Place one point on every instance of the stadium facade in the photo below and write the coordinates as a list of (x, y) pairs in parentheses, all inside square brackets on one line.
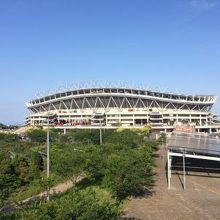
[(124, 107)]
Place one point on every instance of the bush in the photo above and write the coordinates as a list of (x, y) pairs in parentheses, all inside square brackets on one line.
[(83, 205), (128, 172), (126, 138), (9, 137), (37, 135), (8, 179)]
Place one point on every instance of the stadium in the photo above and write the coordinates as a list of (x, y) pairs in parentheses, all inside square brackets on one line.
[(113, 107)]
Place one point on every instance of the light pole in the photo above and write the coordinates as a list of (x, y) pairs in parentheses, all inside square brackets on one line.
[(100, 132), (48, 148), (48, 154)]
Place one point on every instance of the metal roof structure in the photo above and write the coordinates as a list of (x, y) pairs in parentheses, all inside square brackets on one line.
[(127, 92), (195, 146), (112, 84), (197, 143)]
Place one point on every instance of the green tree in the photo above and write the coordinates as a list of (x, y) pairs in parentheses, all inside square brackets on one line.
[(37, 135), (162, 138), (69, 162), (126, 138), (95, 162), (47, 184), (9, 182), (36, 165), (81, 205), (9, 137), (128, 172), (87, 136), (2, 126), (20, 166)]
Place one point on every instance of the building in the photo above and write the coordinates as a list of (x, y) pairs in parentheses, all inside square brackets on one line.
[(126, 107)]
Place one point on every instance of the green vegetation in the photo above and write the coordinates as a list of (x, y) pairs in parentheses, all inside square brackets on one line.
[(2, 126), (103, 176)]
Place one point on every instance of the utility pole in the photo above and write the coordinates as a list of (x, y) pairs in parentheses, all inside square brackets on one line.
[(48, 154), (48, 149), (100, 133)]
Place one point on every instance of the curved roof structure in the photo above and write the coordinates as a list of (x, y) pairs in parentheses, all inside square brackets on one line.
[(104, 97)]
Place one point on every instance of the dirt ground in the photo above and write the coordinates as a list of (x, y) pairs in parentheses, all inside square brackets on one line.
[(200, 200)]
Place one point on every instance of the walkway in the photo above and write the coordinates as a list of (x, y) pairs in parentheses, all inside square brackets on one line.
[(62, 187), (200, 200)]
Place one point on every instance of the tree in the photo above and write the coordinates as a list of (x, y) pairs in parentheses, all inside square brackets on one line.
[(162, 138), (46, 184), (9, 137), (37, 135), (127, 172), (87, 136), (69, 162), (2, 126), (95, 162), (76, 204), (20, 166), (125, 137), (8, 179), (35, 165), (8, 183)]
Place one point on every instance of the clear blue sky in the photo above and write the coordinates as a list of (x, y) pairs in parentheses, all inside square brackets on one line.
[(46, 44)]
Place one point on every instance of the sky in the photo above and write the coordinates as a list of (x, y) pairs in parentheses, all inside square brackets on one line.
[(47, 45)]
